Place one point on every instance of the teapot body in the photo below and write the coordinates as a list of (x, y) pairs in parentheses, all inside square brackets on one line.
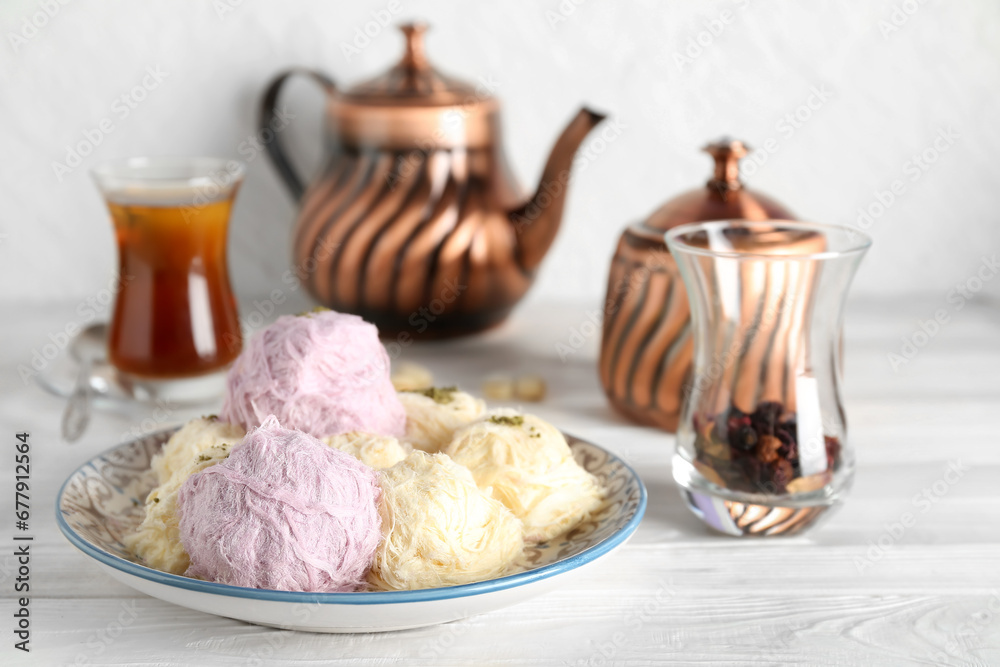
[(415, 221), (416, 241)]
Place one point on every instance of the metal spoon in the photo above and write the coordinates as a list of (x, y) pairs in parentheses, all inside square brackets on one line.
[(88, 348)]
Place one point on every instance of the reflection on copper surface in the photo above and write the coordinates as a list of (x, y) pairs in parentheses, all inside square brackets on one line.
[(646, 346), (416, 223)]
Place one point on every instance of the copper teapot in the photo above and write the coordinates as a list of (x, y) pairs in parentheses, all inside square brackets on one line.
[(646, 344), (415, 221)]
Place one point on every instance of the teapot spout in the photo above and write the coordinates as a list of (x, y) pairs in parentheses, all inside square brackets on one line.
[(537, 221)]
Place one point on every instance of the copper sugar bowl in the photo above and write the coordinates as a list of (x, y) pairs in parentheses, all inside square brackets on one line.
[(646, 343), (415, 221)]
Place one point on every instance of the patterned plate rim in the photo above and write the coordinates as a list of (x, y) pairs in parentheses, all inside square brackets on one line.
[(573, 562)]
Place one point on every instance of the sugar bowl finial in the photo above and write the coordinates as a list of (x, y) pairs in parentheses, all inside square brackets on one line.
[(414, 57), (727, 153)]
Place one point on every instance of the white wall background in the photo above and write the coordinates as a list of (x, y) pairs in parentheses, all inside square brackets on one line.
[(891, 93)]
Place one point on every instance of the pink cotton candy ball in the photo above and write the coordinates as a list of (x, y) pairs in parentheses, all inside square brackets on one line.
[(324, 373), (283, 512)]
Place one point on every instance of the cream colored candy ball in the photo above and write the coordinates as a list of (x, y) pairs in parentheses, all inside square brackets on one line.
[(375, 451), (526, 464), (408, 376), (439, 529), (433, 415), (195, 437), (157, 540)]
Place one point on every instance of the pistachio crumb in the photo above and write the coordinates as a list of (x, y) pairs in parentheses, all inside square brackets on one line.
[(440, 395), (504, 420)]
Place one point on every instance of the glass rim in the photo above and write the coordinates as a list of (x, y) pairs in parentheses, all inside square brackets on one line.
[(168, 172), (860, 241)]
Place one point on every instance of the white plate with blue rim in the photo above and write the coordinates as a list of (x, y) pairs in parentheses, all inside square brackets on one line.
[(102, 501)]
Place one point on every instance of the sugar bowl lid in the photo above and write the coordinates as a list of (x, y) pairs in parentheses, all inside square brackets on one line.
[(724, 196), (414, 103)]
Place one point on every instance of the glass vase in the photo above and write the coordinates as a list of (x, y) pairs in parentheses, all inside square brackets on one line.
[(762, 444)]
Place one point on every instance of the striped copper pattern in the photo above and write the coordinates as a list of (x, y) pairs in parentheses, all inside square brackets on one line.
[(646, 347), (764, 520), (758, 350), (426, 241), (394, 232)]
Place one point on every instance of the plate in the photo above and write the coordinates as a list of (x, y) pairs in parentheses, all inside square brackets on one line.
[(103, 500)]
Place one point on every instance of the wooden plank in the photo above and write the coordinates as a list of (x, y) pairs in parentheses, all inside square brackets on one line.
[(657, 624), (718, 563)]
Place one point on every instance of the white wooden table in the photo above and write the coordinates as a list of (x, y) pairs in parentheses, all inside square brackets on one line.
[(857, 592)]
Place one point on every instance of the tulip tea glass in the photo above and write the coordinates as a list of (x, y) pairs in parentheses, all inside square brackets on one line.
[(175, 315), (762, 444)]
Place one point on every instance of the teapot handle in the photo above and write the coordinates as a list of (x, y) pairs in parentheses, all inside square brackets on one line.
[(269, 117)]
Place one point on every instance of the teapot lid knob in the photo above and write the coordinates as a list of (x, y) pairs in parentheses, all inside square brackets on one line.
[(414, 104), (415, 57), (727, 153)]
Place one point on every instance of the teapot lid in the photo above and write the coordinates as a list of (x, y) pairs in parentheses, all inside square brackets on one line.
[(724, 196), (414, 105), (414, 81)]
